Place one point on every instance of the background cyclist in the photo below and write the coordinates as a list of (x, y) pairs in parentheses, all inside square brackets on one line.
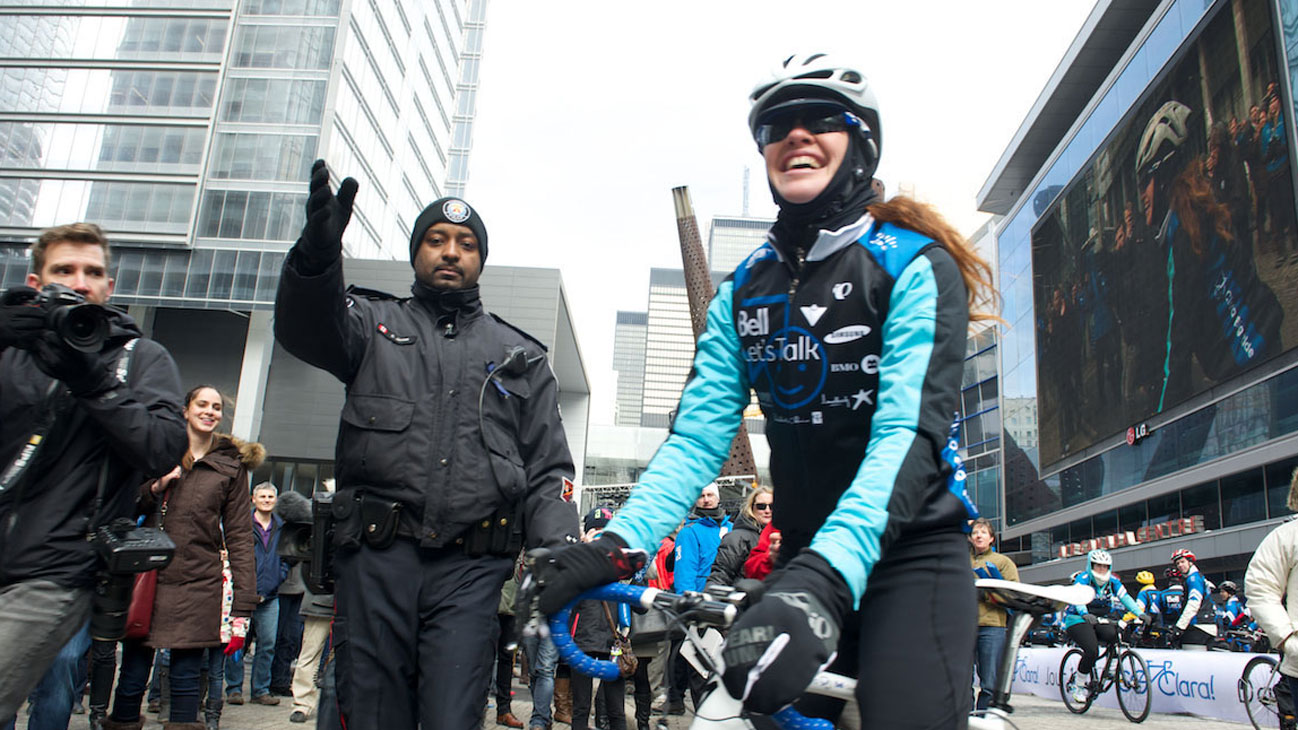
[(1195, 627), (873, 519), (1082, 622)]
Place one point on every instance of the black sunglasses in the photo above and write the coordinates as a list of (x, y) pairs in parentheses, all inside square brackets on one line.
[(762, 505), (817, 120)]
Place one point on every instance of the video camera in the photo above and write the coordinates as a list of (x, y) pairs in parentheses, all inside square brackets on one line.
[(308, 537), (81, 325), (125, 551)]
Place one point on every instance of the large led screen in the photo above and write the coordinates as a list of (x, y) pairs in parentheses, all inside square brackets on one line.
[(1169, 264)]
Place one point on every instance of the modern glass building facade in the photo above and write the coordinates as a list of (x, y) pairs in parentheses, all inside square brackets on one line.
[(629, 362), (732, 238), (1226, 453)]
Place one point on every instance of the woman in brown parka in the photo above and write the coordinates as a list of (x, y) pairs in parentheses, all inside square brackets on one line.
[(204, 498)]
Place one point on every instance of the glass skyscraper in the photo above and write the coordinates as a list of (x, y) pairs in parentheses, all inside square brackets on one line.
[(187, 128)]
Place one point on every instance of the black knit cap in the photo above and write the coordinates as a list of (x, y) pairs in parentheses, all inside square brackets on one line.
[(448, 210)]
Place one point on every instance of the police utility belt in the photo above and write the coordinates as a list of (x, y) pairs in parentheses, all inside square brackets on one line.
[(378, 522)]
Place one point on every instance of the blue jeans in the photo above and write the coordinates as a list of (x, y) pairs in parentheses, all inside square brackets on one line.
[(991, 641), (53, 698), (161, 661), (265, 624), (541, 660), (133, 681)]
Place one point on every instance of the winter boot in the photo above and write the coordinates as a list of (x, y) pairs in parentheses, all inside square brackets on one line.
[(183, 726), (562, 700), (212, 718)]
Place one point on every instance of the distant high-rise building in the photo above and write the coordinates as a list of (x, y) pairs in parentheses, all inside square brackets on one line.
[(629, 362), (732, 238), (187, 129)]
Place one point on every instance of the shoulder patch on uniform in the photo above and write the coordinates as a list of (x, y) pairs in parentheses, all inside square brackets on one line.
[(521, 332), (893, 247), (373, 294)]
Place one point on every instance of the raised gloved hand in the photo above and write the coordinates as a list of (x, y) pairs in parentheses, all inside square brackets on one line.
[(20, 323), (238, 633), (580, 567), (778, 646), (84, 373), (1090, 618), (327, 216)]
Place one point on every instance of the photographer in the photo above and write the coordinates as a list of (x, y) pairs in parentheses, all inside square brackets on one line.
[(99, 422), (450, 453)]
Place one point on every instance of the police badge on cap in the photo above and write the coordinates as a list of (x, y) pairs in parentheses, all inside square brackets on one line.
[(449, 210)]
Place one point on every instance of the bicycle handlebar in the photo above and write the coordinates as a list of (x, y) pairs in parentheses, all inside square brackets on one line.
[(702, 609)]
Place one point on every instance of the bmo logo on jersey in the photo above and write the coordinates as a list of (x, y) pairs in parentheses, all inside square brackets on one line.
[(758, 324), (868, 365)]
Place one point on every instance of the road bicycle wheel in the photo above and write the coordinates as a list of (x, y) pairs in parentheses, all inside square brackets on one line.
[(1132, 686), (1070, 678), (1255, 691)]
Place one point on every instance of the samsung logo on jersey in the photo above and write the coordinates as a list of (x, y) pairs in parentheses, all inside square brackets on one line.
[(781, 348), (847, 334)]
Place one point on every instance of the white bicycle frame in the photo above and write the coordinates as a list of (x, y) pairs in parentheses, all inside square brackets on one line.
[(720, 711)]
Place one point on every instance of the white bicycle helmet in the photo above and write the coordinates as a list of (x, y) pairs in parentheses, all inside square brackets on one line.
[(1099, 557), (1166, 131), (810, 77)]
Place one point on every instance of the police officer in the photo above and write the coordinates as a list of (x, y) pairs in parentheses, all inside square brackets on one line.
[(450, 452)]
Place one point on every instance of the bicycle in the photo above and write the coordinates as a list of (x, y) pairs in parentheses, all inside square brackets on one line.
[(719, 607), (1265, 694), (1124, 670)]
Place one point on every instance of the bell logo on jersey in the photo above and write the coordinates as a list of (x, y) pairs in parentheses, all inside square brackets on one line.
[(756, 325)]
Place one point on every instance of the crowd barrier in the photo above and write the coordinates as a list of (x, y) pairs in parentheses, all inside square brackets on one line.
[(1201, 683)]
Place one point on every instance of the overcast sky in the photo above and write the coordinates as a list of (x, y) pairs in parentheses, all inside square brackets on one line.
[(591, 111)]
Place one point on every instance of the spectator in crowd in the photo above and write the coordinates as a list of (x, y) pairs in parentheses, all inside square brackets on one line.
[(505, 634), (987, 563), (288, 634), (593, 627), (542, 659), (317, 617), (196, 503), (1272, 586), (737, 544), (762, 560), (661, 575), (271, 572), (698, 541), (119, 410)]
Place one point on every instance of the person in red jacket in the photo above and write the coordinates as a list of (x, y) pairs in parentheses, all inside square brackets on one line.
[(759, 562)]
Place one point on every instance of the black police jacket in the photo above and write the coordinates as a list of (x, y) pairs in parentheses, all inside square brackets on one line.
[(135, 426), (411, 430)]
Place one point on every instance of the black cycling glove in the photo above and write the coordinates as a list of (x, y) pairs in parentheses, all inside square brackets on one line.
[(778, 646), (20, 323), (1147, 618), (1090, 618), (578, 568), (84, 373), (327, 216)]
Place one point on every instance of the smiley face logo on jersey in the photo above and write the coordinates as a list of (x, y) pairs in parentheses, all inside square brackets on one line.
[(790, 364)]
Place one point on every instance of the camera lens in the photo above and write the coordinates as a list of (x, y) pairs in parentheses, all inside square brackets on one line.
[(110, 605), (82, 327)]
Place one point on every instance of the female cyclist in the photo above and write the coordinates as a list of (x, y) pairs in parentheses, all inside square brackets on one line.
[(850, 324), (1082, 622)]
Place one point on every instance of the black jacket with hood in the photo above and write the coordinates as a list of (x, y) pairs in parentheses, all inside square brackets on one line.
[(728, 566), (135, 426)]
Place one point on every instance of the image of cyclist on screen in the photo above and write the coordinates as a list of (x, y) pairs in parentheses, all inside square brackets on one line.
[(850, 324), (1083, 622)]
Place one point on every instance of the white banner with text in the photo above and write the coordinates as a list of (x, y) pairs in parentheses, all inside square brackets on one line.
[(1202, 683)]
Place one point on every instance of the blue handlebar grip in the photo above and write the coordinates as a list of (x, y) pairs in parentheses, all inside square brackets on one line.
[(791, 719), (602, 669)]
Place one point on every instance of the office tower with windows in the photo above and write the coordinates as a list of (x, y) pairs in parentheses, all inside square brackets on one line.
[(732, 238), (629, 362)]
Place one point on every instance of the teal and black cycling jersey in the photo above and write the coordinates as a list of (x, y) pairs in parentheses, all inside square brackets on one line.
[(1108, 596), (855, 349)]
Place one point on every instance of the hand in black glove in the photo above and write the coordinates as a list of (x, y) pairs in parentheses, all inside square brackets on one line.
[(577, 568), (1090, 618), (20, 323), (778, 646), (327, 216), (1174, 636), (83, 373), (1147, 618)]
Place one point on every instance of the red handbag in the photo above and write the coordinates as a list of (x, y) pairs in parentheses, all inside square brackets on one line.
[(139, 617)]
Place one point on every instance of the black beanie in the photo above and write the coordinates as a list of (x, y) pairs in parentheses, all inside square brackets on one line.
[(448, 210)]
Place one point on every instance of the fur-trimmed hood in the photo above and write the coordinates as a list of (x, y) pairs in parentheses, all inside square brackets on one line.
[(251, 453), (230, 452)]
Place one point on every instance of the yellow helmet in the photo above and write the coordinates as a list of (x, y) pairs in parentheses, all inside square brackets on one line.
[(1145, 577)]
